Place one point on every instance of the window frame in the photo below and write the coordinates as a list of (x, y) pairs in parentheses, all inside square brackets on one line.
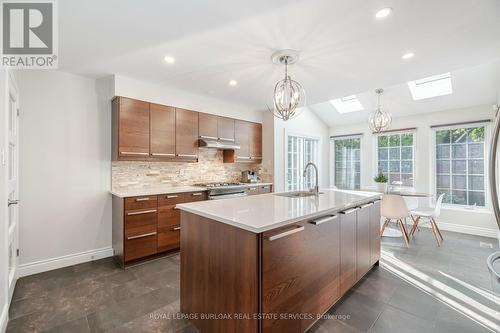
[(333, 160), (433, 173), (415, 147), (287, 134)]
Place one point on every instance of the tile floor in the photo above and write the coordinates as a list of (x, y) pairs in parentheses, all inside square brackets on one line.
[(421, 289)]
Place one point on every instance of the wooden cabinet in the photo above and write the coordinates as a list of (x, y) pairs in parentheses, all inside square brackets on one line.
[(225, 129), (252, 190), (363, 240), (290, 282), (265, 189), (130, 129), (208, 127), (149, 225), (347, 249), (186, 134), (248, 136), (375, 233), (293, 274), (143, 131), (255, 142), (162, 131)]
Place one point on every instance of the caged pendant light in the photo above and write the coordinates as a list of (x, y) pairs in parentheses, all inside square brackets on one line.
[(379, 120), (288, 95)]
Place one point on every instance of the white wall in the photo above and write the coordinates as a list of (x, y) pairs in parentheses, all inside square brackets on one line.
[(306, 124), (154, 93), (478, 222), (65, 153), (3, 207)]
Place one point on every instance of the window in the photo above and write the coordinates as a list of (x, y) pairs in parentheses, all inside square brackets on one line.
[(395, 157), (347, 163), (300, 151), (460, 170)]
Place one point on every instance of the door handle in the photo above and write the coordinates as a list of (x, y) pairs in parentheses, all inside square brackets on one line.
[(142, 212), (324, 219), (286, 233), (187, 155), (12, 202)]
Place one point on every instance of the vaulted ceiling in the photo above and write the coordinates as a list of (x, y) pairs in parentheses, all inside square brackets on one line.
[(344, 49)]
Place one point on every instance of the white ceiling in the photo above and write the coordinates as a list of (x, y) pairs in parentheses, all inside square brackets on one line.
[(344, 49)]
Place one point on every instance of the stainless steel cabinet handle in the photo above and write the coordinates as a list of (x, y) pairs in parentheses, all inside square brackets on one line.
[(187, 155), (12, 202), (286, 233), (172, 196), (226, 139), (176, 228), (132, 153), (366, 205), (256, 157), (349, 211), (142, 212), (196, 194), (141, 236), (323, 219), (142, 199), (208, 137), (253, 188), (243, 157), (161, 154)]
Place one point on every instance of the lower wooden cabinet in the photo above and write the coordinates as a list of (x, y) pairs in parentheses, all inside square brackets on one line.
[(148, 225), (290, 275)]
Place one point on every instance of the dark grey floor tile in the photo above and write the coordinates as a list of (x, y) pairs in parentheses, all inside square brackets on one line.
[(332, 326), (79, 325), (362, 311), (451, 321), (412, 300), (378, 288), (393, 320)]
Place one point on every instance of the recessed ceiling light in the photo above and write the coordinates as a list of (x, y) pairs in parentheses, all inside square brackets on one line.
[(233, 82), (432, 86), (408, 55), (384, 12), (347, 104), (169, 59)]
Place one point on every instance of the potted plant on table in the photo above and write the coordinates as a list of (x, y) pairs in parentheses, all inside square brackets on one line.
[(381, 181)]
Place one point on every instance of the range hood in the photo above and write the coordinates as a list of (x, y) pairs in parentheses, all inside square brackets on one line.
[(216, 144)]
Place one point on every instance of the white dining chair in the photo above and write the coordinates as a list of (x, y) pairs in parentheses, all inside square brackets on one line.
[(393, 208), (431, 215)]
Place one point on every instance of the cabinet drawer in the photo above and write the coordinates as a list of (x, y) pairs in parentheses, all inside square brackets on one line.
[(140, 222), (141, 202), (169, 238), (265, 189), (195, 196), (170, 199), (252, 190), (141, 246), (168, 216)]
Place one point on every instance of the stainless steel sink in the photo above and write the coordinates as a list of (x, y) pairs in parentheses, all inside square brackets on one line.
[(299, 194)]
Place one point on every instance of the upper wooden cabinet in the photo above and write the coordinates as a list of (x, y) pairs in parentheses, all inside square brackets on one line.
[(162, 131), (248, 136), (208, 126), (186, 134), (225, 129), (130, 129), (216, 128), (145, 131)]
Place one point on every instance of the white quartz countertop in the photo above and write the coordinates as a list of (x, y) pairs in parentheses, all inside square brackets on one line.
[(259, 213), (156, 190)]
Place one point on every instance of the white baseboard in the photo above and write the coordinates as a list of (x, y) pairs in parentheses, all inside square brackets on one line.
[(63, 261), (4, 318), (466, 229)]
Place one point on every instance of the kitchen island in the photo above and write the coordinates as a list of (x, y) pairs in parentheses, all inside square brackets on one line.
[(274, 263)]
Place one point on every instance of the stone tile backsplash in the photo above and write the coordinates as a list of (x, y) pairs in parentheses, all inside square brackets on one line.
[(210, 168)]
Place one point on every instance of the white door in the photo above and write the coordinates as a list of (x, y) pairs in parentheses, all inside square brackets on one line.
[(13, 181)]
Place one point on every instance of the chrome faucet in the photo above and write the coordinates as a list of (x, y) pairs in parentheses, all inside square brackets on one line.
[(316, 188)]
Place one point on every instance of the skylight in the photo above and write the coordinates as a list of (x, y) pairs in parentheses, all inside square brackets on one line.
[(347, 104), (432, 86)]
